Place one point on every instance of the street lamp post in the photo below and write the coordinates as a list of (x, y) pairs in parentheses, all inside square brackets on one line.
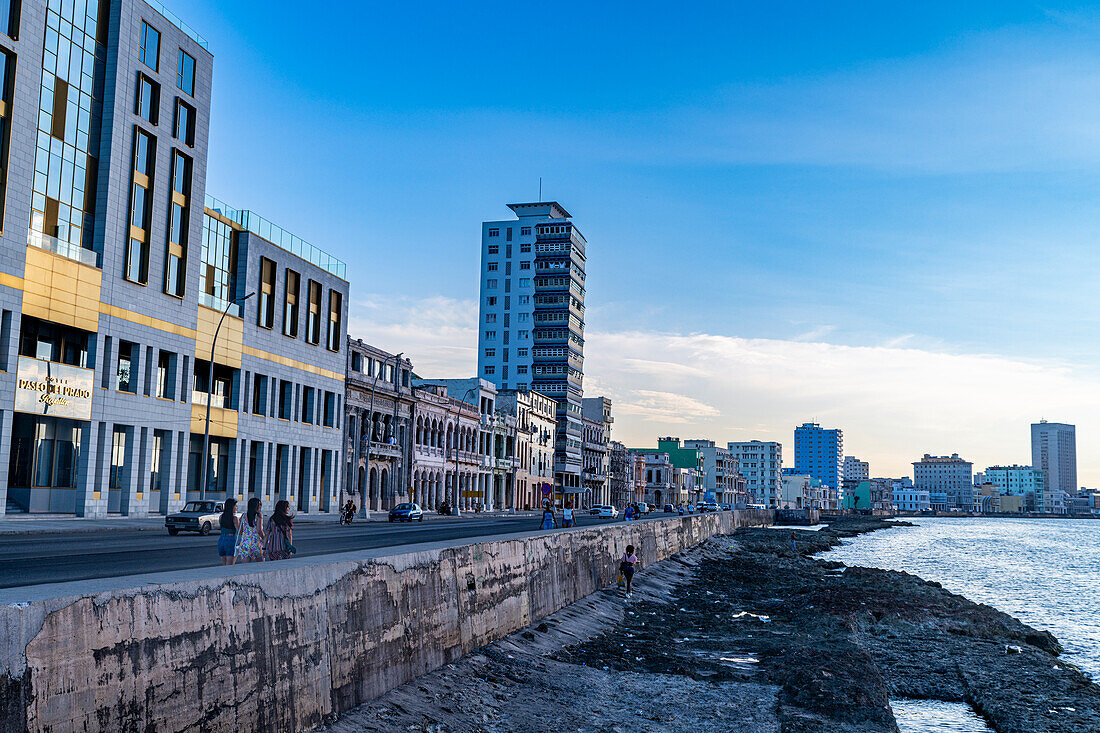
[(363, 511), (209, 388), (458, 498)]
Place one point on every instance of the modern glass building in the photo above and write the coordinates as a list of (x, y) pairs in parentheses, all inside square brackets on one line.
[(114, 278), (531, 319)]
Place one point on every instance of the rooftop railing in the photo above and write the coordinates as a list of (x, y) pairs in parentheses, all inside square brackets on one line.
[(219, 304), (174, 20), (278, 236)]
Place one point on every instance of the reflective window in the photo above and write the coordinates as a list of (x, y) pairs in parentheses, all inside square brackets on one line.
[(63, 195), (266, 315), (148, 100), (149, 47), (184, 128), (335, 308), (179, 209), (218, 276), (185, 73), (292, 285), (313, 317)]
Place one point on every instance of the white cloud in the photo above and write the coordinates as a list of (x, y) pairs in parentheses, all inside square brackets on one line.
[(894, 403)]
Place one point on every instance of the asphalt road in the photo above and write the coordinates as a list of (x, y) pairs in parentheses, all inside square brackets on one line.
[(30, 559)]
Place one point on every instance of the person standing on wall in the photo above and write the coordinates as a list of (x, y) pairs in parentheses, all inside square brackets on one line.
[(279, 533), (229, 524), (250, 535)]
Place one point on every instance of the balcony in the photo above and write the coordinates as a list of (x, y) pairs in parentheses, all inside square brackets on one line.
[(384, 450), (66, 249)]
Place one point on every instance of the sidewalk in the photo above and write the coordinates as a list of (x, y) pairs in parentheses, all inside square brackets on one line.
[(12, 524)]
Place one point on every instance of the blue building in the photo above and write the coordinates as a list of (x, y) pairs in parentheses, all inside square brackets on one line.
[(819, 452)]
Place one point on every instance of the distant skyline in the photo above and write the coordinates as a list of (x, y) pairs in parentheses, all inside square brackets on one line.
[(881, 218)]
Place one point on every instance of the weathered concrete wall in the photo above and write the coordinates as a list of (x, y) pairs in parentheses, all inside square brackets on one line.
[(285, 646)]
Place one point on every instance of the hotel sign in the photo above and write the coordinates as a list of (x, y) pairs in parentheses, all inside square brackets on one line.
[(49, 388)]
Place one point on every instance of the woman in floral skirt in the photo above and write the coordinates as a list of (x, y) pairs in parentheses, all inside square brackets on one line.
[(250, 536)]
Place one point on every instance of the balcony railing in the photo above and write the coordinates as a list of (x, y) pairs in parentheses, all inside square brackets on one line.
[(156, 5), (219, 304), (60, 247), (389, 450), (216, 400)]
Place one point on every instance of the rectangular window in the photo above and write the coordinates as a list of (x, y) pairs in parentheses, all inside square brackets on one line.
[(329, 419), (265, 317), (492, 267), (166, 378), (7, 77), (524, 282), (286, 399), (313, 317), (185, 73), (491, 300), (525, 265), (184, 127), (149, 46), (307, 405), (508, 238), (126, 367), (491, 284), (525, 232), (490, 370), (137, 251), (490, 335), (494, 232), (179, 218), (259, 395), (148, 99), (292, 284), (490, 317), (335, 313), (490, 352), (521, 369), (494, 249)]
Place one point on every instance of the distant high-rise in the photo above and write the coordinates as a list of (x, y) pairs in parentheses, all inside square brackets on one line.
[(531, 318), (1054, 450), (948, 475), (819, 452)]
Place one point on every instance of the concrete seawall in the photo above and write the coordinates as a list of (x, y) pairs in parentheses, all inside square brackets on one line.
[(283, 647)]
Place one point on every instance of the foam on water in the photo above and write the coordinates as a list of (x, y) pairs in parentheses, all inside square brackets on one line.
[(933, 716), (1045, 572)]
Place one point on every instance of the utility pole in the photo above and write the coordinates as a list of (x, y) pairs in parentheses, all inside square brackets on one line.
[(209, 388)]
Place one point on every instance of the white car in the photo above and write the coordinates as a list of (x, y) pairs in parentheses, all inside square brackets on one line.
[(604, 510), (197, 516), (706, 506)]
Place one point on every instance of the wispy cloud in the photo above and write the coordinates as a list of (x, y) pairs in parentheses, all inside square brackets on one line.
[(894, 403)]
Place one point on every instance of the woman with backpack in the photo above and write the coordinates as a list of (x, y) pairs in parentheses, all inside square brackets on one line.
[(280, 532), (250, 534)]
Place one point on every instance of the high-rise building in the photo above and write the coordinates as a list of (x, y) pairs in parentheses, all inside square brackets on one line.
[(819, 452), (856, 470), (531, 319), (948, 475), (1054, 452), (117, 270), (761, 463)]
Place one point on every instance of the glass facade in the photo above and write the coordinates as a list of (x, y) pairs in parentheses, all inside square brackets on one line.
[(218, 276), (179, 219), (73, 62), (45, 454)]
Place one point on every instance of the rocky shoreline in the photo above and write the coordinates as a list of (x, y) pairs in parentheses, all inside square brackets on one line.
[(742, 633)]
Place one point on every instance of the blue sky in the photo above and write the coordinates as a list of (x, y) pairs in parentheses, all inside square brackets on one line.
[(903, 192)]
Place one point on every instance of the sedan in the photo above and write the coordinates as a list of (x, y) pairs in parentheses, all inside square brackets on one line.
[(197, 516), (605, 510), (706, 506), (406, 513)]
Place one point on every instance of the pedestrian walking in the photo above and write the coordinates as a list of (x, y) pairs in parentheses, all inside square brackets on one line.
[(230, 525), (626, 567), (279, 534), (567, 516), (793, 548), (250, 534), (547, 518), (628, 514)]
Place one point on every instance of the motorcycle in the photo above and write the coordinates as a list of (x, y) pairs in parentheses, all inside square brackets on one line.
[(346, 516)]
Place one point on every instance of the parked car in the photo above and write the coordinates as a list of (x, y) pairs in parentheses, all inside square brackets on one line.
[(406, 512), (196, 516), (604, 510), (706, 506), (669, 509)]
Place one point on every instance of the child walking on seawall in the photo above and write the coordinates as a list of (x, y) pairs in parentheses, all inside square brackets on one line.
[(626, 567)]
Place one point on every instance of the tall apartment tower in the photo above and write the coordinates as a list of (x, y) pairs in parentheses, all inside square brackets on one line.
[(819, 453), (531, 319), (1054, 450)]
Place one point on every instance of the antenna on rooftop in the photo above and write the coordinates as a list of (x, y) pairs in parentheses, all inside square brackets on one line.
[(540, 189)]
